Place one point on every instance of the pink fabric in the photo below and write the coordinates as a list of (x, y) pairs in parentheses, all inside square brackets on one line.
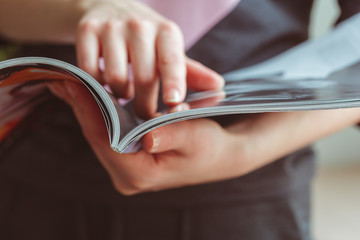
[(194, 17)]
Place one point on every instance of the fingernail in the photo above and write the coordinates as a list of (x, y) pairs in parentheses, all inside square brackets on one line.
[(178, 108), (155, 141), (173, 96), (222, 82)]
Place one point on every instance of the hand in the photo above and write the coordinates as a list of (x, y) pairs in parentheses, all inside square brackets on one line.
[(200, 151), (169, 158), (119, 32), (127, 31)]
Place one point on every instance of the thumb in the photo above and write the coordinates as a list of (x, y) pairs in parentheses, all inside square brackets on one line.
[(173, 137)]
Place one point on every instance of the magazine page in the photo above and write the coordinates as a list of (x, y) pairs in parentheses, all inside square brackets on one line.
[(318, 74), (316, 58), (22, 82), (339, 90), (21, 87)]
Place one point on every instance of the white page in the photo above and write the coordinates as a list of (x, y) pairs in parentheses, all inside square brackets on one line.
[(316, 58)]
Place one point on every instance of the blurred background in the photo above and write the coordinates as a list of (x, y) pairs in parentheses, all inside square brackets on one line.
[(336, 190)]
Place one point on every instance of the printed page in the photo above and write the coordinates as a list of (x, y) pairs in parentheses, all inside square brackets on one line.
[(317, 58), (21, 87)]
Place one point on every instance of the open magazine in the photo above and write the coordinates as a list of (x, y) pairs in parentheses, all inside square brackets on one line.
[(319, 74)]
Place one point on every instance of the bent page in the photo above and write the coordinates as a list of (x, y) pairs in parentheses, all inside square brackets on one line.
[(22, 86), (316, 58)]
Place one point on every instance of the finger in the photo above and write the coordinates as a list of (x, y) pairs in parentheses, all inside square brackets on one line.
[(202, 78), (179, 108), (141, 43), (173, 137), (171, 63), (87, 49), (116, 59)]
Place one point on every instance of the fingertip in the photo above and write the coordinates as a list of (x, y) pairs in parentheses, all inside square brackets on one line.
[(173, 97), (150, 142), (157, 114), (179, 107), (220, 80)]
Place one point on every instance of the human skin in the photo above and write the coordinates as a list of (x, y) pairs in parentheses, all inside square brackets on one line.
[(120, 32), (168, 158), (200, 151)]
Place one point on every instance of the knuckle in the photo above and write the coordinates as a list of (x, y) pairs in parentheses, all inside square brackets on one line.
[(139, 185), (137, 25), (134, 187), (170, 58), (131, 185), (88, 25), (113, 24), (169, 26), (127, 191), (145, 79)]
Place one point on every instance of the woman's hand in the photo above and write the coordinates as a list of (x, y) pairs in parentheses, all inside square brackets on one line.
[(180, 154), (119, 32), (126, 31), (200, 151)]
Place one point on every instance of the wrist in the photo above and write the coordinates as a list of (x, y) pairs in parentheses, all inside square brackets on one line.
[(249, 149), (240, 152)]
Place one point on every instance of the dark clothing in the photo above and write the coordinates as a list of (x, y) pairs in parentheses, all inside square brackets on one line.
[(28, 213), (58, 190)]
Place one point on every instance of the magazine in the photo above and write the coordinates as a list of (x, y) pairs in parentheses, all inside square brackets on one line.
[(323, 73)]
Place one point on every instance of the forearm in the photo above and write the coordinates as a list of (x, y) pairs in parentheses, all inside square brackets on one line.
[(40, 20), (267, 137)]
